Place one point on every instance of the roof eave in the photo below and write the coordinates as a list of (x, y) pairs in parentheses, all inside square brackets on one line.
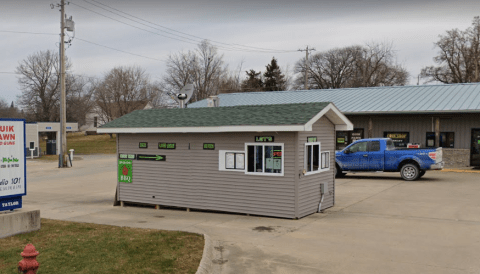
[(219, 129), (411, 112)]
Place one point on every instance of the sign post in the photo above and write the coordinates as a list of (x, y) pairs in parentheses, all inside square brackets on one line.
[(12, 163)]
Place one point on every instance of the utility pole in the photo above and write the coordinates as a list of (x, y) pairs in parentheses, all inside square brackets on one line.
[(306, 65), (69, 25), (63, 101)]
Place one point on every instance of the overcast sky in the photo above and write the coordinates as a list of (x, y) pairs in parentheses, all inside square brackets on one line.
[(411, 26)]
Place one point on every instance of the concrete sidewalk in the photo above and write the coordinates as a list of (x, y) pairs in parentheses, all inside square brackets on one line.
[(380, 223)]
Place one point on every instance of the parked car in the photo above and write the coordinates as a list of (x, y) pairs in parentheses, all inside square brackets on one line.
[(380, 154)]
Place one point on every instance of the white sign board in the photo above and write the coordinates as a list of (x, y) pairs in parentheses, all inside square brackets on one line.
[(12, 158)]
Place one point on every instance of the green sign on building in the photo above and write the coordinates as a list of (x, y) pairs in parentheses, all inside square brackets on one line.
[(125, 171)]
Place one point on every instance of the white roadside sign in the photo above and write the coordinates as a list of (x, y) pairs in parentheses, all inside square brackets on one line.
[(12, 158)]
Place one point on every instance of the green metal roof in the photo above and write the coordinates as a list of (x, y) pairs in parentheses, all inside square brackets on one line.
[(258, 115)]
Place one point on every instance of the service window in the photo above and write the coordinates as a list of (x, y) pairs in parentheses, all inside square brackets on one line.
[(315, 160), (265, 159), (231, 160)]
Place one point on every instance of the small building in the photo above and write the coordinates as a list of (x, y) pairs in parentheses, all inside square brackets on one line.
[(407, 114), (52, 133), (98, 116), (271, 160)]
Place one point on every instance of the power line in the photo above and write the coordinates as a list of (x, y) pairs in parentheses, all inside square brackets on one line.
[(182, 39), (251, 47), (27, 32), (119, 50)]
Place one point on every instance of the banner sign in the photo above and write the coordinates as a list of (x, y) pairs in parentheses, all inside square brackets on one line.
[(125, 171), (12, 162)]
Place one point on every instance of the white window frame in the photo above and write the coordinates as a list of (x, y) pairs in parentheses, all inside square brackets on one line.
[(320, 163), (263, 164), (221, 160)]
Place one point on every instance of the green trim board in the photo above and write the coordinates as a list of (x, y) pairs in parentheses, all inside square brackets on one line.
[(149, 157), (167, 145), (208, 146)]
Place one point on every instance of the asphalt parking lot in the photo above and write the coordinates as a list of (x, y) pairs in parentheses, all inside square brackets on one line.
[(380, 223)]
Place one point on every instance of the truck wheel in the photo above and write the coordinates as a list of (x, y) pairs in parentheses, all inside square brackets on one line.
[(410, 172), (422, 172), (338, 172)]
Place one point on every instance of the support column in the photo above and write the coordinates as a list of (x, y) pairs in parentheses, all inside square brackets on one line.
[(370, 127), (437, 132)]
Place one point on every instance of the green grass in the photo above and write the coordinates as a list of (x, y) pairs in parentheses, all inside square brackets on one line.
[(68, 247), (88, 144)]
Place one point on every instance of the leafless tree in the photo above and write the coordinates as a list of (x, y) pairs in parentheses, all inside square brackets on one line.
[(123, 90), (458, 58), (40, 85), (203, 67), (9, 111), (354, 66)]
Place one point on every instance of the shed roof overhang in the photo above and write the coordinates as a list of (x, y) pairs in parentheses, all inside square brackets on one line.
[(331, 112)]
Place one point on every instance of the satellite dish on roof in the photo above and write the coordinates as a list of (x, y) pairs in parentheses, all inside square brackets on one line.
[(185, 94)]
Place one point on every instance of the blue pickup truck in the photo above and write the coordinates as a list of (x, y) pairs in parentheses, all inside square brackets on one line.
[(380, 154)]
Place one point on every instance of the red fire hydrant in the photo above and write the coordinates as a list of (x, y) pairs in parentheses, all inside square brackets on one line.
[(29, 264)]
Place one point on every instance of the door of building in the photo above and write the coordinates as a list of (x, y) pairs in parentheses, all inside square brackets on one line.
[(475, 151)]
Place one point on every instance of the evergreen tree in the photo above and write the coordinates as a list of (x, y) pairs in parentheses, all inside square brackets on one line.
[(274, 79), (253, 82)]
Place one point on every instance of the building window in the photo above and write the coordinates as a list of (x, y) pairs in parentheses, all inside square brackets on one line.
[(400, 139), (316, 160), (265, 159), (231, 160), (447, 139), (95, 121)]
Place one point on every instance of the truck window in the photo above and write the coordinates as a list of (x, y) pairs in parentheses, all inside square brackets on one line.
[(374, 146), (362, 146), (390, 145)]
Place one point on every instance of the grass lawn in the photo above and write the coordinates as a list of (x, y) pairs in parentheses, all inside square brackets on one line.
[(68, 247), (88, 144)]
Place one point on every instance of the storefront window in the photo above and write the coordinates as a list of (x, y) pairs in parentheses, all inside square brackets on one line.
[(400, 139), (265, 159), (447, 139), (344, 138)]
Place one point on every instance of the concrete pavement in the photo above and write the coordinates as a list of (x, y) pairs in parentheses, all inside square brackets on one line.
[(380, 223)]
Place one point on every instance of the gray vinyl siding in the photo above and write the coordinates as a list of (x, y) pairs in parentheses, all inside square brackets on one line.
[(191, 177), (419, 125), (309, 185)]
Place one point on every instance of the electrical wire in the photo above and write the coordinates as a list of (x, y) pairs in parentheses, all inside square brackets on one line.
[(181, 39), (119, 50), (251, 47), (27, 32)]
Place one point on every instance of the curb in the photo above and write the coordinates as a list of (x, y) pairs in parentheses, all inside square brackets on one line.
[(460, 170), (206, 266)]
